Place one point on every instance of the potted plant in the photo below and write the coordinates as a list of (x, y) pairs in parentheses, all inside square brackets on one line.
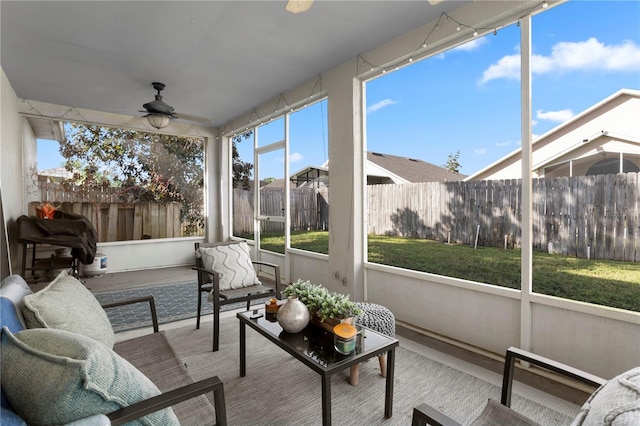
[(323, 305)]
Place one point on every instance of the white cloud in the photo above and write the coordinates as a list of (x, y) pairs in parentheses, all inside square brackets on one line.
[(296, 156), (507, 67), (480, 151), (377, 106), (507, 143), (557, 116), (471, 45), (592, 54), (589, 55)]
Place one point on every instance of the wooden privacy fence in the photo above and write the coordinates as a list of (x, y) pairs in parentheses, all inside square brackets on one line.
[(309, 209), (77, 194), (127, 221), (585, 216)]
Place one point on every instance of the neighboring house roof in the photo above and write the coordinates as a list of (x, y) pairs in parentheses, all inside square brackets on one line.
[(595, 140), (614, 120), (278, 183), (263, 183), (411, 169), (381, 168), (55, 174)]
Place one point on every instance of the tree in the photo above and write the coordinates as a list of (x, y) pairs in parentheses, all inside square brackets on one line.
[(453, 163), (148, 167), (241, 170)]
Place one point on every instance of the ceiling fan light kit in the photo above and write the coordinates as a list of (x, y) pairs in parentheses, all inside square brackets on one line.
[(159, 113), (297, 6), (158, 120)]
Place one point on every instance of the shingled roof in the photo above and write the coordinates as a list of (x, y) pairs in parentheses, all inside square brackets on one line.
[(413, 170)]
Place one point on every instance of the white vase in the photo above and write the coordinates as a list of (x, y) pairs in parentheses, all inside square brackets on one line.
[(293, 316)]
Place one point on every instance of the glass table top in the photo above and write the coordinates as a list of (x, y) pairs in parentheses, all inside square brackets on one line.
[(314, 344)]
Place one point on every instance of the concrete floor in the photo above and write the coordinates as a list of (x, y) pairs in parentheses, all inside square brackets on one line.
[(132, 279)]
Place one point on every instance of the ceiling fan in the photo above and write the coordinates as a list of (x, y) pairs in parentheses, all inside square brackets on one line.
[(159, 113)]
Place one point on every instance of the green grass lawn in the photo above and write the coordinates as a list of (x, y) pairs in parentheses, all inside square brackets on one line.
[(609, 283)]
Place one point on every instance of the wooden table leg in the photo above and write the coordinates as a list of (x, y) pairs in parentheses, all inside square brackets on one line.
[(382, 359), (354, 375)]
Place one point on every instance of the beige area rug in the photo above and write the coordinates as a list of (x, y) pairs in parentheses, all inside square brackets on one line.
[(279, 390)]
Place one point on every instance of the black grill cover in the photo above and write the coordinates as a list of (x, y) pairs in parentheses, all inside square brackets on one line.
[(65, 229)]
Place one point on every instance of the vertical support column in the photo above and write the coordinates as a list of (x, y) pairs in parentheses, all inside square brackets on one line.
[(256, 196), (287, 201), (217, 175), (346, 165), (526, 278)]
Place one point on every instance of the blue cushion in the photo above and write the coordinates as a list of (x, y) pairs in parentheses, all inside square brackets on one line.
[(9, 418), (9, 318), (14, 289)]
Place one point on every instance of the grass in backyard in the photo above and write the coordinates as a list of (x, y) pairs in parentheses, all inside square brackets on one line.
[(609, 283)]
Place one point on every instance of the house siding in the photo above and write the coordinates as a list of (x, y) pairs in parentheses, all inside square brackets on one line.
[(616, 115)]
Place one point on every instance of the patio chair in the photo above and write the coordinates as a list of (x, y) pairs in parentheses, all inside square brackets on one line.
[(227, 273), (616, 400)]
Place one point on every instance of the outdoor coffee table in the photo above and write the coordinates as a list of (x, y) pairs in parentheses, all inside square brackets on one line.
[(313, 346)]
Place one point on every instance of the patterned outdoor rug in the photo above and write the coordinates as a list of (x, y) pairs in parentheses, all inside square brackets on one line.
[(174, 302)]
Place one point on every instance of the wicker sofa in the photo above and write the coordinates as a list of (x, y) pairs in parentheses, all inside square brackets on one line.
[(65, 371)]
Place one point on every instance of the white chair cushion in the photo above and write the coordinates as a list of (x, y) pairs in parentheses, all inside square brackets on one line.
[(232, 262)]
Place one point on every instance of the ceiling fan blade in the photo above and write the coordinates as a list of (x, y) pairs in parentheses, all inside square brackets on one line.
[(194, 119), (297, 6)]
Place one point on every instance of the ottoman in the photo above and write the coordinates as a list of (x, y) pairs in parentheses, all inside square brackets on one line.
[(380, 319)]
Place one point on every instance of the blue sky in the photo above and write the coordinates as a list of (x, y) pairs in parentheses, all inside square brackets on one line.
[(468, 99)]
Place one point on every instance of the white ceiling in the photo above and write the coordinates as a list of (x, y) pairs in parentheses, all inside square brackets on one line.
[(218, 58)]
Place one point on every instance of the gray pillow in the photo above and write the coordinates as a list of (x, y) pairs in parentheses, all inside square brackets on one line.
[(66, 304), (56, 377), (617, 402), (232, 262)]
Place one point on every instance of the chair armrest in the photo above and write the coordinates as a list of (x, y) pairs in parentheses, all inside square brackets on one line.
[(167, 399), (152, 307), (276, 273), (202, 281), (540, 361), (424, 414)]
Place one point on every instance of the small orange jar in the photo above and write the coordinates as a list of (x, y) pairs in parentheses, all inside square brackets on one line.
[(344, 340)]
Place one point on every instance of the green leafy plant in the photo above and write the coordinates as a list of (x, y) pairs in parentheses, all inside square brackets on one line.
[(321, 302)]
